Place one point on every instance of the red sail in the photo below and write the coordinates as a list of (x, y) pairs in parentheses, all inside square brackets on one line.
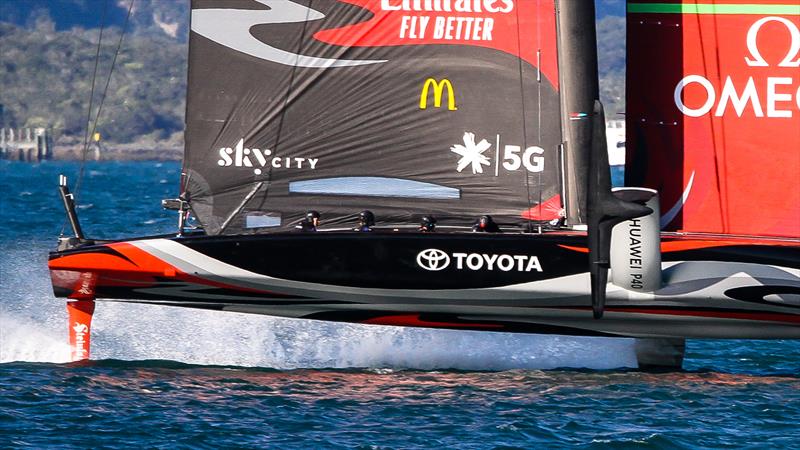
[(713, 113)]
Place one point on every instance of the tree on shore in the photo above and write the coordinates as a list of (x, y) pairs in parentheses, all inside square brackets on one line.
[(46, 74)]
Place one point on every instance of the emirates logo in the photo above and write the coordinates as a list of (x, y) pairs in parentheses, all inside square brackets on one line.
[(433, 259)]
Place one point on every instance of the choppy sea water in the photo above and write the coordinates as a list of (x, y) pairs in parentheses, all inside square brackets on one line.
[(165, 377)]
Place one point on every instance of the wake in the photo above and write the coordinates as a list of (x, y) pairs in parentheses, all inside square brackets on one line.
[(33, 328), (143, 332)]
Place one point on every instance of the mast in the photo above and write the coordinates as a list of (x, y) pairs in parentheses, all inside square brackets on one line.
[(577, 57), (588, 185)]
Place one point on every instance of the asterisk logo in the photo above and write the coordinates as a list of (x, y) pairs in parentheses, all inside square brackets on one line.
[(471, 153)]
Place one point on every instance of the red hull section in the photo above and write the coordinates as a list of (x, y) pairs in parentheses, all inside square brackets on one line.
[(713, 111)]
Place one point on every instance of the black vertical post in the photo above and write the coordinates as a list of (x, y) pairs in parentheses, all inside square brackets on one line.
[(577, 61), (69, 206)]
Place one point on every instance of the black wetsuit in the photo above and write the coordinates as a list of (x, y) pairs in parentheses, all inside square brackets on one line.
[(490, 227), (306, 225)]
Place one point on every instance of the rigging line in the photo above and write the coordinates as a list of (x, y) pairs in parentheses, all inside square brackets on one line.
[(286, 100), (186, 172), (91, 100), (103, 96), (94, 78), (539, 94), (722, 194), (524, 116), (723, 197)]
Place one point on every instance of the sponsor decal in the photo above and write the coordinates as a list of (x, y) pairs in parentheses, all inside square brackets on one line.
[(635, 254), (79, 351), (261, 159), (438, 20), (459, 6), (472, 153), (514, 157), (86, 285), (770, 96), (458, 23), (438, 92), (84, 288), (433, 259), (792, 58), (501, 25)]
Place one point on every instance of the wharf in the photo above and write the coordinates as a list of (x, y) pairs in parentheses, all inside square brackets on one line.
[(26, 144)]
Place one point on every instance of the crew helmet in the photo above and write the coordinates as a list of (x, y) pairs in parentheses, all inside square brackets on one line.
[(428, 222), (366, 218)]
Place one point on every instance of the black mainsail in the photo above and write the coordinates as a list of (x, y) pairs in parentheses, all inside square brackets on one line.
[(405, 108)]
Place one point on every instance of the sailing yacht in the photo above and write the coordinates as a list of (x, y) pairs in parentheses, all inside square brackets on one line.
[(459, 109)]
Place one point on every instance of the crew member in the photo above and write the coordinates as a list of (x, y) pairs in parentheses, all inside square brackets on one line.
[(485, 225), (427, 224), (366, 220), (310, 223)]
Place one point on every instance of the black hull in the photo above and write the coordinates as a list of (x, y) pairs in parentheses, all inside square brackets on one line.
[(715, 287)]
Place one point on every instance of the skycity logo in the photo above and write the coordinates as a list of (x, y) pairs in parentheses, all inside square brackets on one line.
[(435, 260), (779, 89), (240, 156), (438, 92)]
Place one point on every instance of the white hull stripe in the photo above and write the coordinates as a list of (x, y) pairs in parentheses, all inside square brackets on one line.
[(695, 283)]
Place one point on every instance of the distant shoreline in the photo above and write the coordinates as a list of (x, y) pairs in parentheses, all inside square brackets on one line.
[(122, 152)]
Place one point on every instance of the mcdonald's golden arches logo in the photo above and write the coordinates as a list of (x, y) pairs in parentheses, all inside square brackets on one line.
[(438, 91)]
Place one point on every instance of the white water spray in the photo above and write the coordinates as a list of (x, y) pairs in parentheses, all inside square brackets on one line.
[(33, 328), (25, 340)]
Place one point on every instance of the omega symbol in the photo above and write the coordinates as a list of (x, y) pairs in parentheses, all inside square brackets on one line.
[(756, 60)]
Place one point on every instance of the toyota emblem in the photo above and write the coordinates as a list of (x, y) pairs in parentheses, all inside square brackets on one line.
[(433, 259)]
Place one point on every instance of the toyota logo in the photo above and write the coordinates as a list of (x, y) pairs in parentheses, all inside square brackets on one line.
[(433, 259)]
